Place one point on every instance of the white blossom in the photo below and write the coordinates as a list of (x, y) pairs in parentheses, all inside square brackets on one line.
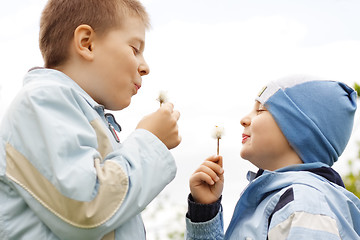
[(218, 132), (163, 97)]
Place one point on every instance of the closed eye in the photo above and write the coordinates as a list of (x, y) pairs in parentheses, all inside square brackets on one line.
[(259, 111), (135, 50)]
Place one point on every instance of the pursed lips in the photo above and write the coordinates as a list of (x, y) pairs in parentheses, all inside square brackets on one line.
[(245, 137), (137, 86)]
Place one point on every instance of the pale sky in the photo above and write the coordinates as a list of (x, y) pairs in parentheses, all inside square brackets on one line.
[(212, 57)]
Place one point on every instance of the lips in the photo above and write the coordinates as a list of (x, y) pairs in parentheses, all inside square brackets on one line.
[(137, 87), (245, 138)]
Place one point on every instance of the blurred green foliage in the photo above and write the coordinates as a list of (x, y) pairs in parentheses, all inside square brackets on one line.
[(352, 179), (357, 89)]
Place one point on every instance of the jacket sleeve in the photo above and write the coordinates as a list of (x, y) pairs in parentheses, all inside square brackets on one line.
[(53, 161), (204, 221)]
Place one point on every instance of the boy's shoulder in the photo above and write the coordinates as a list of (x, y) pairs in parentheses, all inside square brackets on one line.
[(51, 86), (316, 194), (39, 77), (311, 190), (50, 95)]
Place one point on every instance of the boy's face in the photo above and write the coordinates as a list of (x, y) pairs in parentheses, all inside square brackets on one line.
[(264, 144), (119, 64)]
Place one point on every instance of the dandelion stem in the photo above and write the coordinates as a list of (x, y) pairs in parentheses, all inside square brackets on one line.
[(217, 134)]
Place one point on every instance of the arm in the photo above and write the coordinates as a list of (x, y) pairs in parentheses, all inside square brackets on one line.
[(204, 217), (303, 225), (59, 172), (296, 216)]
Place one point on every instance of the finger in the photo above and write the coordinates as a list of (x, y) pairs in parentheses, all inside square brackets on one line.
[(176, 114), (209, 171), (220, 162), (216, 159), (214, 167), (201, 177), (168, 106), (179, 139)]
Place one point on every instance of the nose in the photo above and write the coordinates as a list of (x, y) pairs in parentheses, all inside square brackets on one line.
[(143, 68), (245, 121)]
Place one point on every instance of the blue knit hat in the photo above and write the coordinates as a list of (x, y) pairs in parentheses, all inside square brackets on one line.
[(316, 116)]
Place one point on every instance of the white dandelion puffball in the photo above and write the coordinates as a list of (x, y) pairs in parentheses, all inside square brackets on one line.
[(163, 97), (218, 132)]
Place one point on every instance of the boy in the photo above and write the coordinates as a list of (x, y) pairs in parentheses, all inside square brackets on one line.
[(296, 131), (63, 172)]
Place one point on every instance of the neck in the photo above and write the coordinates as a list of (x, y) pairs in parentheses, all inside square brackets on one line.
[(76, 71), (291, 158)]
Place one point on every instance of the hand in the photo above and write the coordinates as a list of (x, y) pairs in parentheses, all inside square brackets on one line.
[(207, 182), (163, 124)]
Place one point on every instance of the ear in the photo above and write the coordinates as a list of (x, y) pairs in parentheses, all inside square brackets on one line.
[(83, 41)]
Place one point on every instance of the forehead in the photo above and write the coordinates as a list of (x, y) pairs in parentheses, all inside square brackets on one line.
[(131, 29), (134, 27)]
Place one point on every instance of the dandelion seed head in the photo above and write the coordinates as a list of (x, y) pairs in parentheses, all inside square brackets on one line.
[(217, 132), (163, 97)]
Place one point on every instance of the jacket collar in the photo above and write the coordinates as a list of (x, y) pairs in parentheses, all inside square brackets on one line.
[(40, 74), (319, 169), (46, 74)]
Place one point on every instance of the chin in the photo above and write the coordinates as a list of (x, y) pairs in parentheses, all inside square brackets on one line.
[(243, 154), (117, 107)]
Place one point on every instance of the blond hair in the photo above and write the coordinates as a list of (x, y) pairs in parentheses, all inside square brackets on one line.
[(60, 18)]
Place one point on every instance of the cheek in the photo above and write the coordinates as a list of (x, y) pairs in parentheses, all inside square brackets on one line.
[(119, 60), (261, 132), (133, 65), (127, 59)]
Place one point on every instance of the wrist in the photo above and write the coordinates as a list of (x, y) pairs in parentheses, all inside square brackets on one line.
[(198, 212)]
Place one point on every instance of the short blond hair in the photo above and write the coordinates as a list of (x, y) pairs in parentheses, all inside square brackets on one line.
[(60, 18)]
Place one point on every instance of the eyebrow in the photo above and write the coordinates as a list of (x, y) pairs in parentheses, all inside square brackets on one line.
[(261, 106)]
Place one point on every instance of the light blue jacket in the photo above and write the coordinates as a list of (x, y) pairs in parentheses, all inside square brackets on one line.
[(290, 203), (64, 175)]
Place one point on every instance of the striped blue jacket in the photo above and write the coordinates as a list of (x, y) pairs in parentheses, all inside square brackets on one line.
[(303, 201)]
